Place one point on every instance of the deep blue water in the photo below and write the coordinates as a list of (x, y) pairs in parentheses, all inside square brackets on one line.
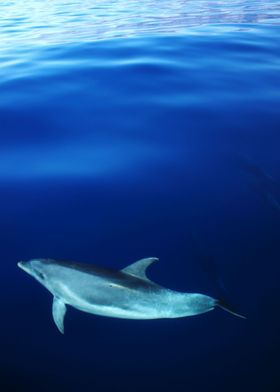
[(131, 130)]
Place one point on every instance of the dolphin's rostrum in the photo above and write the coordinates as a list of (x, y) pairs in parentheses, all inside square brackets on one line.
[(127, 293)]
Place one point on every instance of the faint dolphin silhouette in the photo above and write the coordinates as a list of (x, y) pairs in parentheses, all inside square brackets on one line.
[(210, 267), (264, 184)]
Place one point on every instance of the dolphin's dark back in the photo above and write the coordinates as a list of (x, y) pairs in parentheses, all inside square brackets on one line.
[(115, 276)]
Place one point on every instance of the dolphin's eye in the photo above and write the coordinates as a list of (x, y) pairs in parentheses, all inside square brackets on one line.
[(41, 276)]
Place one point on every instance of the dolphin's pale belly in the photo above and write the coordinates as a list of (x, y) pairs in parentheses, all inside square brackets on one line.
[(115, 298)]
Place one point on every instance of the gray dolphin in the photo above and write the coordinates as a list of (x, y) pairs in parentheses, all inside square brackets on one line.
[(127, 293)]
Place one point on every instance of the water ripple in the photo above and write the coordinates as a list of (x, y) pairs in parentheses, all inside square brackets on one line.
[(111, 107)]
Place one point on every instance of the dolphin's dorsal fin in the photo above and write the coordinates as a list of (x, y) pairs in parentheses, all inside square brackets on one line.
[(58, 311), (138, 268)]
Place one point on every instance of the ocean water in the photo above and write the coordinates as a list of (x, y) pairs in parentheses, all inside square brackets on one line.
[(136, 129)]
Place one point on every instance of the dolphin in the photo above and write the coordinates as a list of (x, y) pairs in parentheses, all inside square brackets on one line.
[(126, 293)]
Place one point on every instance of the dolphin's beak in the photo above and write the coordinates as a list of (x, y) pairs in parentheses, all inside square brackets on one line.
[(23, 265)]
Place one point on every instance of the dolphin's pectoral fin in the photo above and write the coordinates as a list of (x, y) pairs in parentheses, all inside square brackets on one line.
[(138, 268), (58, 311)]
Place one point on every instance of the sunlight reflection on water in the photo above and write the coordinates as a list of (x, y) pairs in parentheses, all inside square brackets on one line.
[(64, 21)]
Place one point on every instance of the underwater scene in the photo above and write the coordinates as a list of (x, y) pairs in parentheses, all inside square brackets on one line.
[(140, 195)]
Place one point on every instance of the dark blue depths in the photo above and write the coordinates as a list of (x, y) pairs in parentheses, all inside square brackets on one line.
[(162, 146)]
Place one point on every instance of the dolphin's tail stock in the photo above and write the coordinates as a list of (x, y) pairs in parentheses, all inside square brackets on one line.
[(223, 305)]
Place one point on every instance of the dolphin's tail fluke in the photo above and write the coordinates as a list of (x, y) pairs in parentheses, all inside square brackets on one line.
[(223, 305)]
